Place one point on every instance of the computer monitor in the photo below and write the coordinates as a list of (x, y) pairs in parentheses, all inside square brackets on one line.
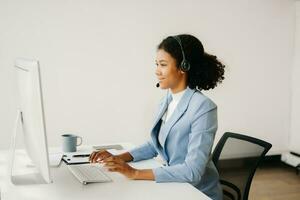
[(30, 117)]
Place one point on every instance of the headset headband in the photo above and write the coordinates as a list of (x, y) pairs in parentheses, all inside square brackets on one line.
[(185, 65)]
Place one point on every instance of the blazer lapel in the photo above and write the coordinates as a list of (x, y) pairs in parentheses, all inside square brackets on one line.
[(178, 112), (162, 110)]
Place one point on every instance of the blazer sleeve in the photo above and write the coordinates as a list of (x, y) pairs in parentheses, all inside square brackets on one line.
[(203, 129), (146, 150), (143, 152)]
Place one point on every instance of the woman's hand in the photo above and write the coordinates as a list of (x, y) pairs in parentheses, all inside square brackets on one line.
[(99, 156), (116, 164)]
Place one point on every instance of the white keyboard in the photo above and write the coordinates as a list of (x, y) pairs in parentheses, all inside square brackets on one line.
[(89, 173)]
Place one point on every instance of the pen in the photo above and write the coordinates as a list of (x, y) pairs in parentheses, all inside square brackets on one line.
[(81, 155)]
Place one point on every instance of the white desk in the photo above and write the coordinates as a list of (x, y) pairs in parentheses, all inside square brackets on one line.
[(66, 187)]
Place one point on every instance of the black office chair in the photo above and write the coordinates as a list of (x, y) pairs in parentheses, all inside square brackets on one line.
[(236, 157)]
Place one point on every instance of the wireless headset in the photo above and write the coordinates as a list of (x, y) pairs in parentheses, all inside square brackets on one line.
[(184, 65)]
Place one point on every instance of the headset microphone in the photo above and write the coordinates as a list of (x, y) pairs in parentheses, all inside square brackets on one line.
[(157, 85)]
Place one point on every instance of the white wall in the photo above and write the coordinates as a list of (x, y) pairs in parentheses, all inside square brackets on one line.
[(295, 108), (97, 60)]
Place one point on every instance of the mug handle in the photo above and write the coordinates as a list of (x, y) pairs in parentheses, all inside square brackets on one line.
[(80, 141)]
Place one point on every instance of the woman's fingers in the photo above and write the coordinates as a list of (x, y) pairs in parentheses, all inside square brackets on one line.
[(96, 155), (114, 169), (92, 156), (115, 164), (111, 164), (113, 159)]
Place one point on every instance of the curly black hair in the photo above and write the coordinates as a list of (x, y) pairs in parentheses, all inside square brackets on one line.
[(205, 72)]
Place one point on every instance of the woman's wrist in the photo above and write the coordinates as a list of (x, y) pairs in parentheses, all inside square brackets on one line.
[(135, 174), (143, 174), (127, 157)]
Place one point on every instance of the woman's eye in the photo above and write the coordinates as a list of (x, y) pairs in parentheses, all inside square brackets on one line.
[(162, 65)]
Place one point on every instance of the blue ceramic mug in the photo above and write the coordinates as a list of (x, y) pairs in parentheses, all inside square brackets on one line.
[(70, 142)]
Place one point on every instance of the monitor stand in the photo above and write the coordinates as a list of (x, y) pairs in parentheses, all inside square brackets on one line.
[(27, 178)]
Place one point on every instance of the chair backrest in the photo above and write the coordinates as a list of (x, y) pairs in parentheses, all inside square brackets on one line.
[(236, 157)]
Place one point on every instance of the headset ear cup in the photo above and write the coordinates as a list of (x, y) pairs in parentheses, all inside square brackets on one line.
[(185, 66)]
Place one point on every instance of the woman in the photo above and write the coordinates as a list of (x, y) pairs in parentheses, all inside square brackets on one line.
[(186, 123)]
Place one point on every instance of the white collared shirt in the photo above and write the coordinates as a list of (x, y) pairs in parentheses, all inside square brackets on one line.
[(172, 105), (169, 111)]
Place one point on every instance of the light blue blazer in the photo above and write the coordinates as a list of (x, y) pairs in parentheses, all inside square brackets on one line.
[(188, 138)]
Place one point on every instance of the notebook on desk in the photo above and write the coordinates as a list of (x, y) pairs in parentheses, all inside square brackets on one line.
[(76, 159), (83, 157)]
